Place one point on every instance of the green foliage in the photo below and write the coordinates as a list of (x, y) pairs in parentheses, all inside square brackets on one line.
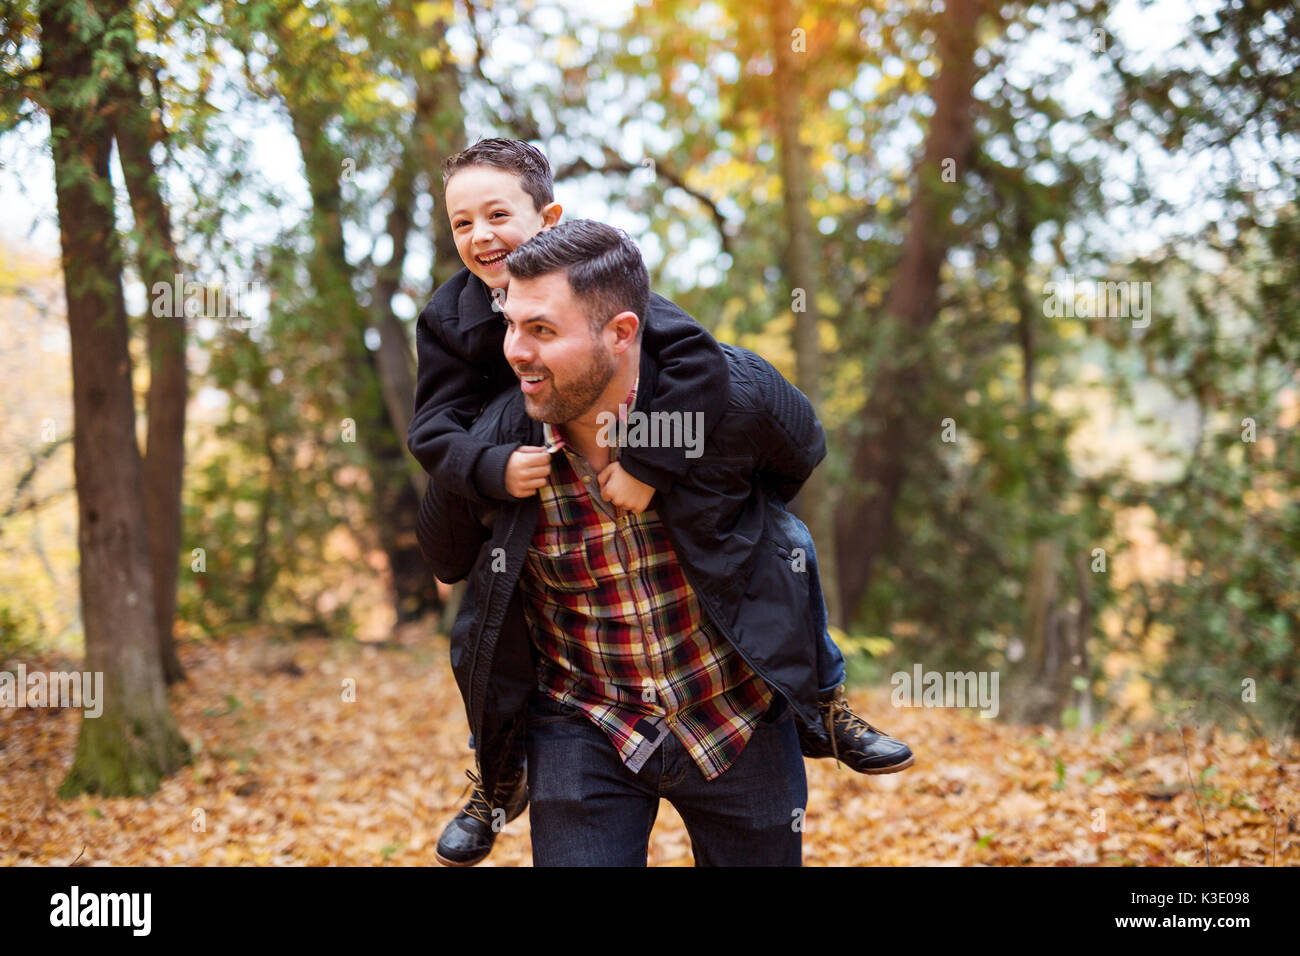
[(15, 633), (1231, 516), (1049, 189), (265, 500)]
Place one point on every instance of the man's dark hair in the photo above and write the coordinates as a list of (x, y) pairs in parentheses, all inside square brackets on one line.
[(512, 155), (604, 266)]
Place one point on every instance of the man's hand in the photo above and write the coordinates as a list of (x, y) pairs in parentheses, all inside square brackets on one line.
[(622, 490), (527, 469)]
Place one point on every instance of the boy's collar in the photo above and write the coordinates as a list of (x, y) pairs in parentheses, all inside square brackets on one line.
[(475, 306)]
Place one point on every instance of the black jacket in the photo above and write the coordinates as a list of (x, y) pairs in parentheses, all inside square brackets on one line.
[(459, 341), (723, 518)]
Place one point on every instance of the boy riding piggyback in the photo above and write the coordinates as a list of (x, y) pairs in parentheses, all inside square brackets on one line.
[(499, 194)]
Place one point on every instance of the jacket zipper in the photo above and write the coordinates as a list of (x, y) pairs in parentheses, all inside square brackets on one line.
[(474, 682), (475, 713)]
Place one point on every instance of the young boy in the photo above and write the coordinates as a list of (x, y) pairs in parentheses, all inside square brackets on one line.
[(499, 193)]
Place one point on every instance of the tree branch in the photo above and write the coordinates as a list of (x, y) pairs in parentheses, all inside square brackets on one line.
[(617, 164)]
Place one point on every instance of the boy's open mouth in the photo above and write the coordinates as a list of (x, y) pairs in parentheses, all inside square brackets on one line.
[(492, 258)]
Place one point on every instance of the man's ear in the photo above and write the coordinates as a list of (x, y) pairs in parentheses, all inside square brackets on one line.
[(624, 326), (551, 214)]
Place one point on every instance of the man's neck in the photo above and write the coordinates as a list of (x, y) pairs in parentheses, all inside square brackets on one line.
[(582, 432)]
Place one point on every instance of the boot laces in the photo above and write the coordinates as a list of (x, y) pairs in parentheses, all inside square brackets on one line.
[(478, 806), (837, 711)]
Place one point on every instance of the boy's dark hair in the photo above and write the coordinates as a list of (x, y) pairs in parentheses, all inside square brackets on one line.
[(512, 155), (603, 264)]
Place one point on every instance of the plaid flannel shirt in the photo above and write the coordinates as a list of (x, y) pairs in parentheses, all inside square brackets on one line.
[(620, 633)]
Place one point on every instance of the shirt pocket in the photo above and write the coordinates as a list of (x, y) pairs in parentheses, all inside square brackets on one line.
[(558, 556)]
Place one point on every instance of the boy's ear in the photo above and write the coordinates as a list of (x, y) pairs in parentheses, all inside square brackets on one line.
[(551, 214)]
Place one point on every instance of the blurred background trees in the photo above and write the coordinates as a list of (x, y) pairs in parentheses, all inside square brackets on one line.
[(877, 197)]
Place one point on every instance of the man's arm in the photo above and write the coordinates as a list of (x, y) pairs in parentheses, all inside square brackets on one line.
[(692, 377)]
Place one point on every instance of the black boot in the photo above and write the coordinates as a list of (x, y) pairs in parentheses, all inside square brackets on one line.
[(469, 837), (852, 740)]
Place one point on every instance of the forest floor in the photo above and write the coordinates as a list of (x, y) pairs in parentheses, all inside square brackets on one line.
[(286, 772)]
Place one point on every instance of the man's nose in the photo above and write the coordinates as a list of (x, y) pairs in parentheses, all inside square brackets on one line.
[(517, 349)]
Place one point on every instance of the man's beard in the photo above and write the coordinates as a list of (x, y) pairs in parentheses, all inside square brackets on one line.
[(565, 404)]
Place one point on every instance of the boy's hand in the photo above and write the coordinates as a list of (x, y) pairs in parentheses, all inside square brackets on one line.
[(526, 470), (622, 490)]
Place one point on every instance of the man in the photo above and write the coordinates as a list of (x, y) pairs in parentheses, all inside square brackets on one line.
[(644, 655), (499, 194)]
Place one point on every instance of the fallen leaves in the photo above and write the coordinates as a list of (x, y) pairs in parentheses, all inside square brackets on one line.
[(286, 772)]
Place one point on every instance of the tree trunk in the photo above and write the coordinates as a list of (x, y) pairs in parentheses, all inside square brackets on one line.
[(1055, 638), (864, 518), (442, 133), (437, 129), (801, 276), (395, 503), (396, 367), (164, 458), (1036, 697), (134, 743), (1079, 642)]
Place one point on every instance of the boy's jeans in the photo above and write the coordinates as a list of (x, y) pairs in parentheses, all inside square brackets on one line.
[(830, 662), (588, 809)]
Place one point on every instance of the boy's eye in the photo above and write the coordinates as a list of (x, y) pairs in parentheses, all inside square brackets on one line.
[(495, 214)]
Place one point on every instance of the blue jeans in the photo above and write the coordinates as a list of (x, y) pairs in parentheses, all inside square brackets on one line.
[(830, 662), (586, 808)]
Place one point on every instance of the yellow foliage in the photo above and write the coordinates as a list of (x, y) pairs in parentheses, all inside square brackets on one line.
[(429, 13), (430, 58), (874, 645), (38, 561), (773, 343)]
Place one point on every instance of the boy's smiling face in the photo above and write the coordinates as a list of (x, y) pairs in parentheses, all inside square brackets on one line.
[(491, 214)]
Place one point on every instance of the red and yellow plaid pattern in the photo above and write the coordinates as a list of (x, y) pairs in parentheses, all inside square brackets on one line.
[(620, 633)]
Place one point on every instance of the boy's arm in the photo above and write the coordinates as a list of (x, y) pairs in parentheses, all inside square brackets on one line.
[(447, 400), (452, 528), (791, 441), (451, 533), (693, 378)]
